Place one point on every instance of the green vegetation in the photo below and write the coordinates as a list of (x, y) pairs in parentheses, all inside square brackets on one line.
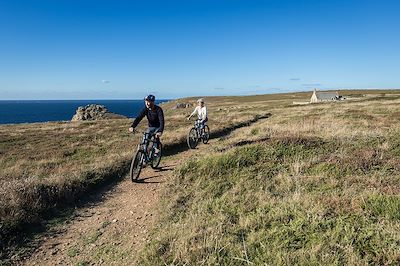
[(72, 252), (248, 205), (313, 186), (384, 206), (255, 131), (47, 166)]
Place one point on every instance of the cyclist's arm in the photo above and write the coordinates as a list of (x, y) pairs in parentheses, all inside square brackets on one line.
[(160, 114), (194, 112), (139, 118)]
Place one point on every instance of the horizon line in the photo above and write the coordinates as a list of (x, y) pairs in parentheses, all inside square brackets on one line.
[(193, 96)]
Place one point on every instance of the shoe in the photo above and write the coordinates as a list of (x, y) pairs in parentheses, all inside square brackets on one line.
[(156, 152)]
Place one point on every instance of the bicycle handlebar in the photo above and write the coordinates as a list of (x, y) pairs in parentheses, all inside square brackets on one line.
[(144, 133)]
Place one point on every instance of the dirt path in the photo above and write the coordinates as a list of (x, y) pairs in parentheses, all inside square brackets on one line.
[(111, 230), (115, 226)]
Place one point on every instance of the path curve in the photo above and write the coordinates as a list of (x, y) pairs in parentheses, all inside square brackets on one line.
[(111, 230)]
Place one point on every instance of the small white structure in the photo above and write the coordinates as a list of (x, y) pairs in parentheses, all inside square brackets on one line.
[(325, 96)]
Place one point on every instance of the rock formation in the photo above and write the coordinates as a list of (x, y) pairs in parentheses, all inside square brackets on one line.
[(182, 105), (94, 112)]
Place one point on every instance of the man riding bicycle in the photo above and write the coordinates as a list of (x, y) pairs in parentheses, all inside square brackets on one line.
[(155, 117), (201, 111)]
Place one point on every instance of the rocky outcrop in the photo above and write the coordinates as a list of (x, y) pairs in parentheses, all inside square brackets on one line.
[(94, 112), (182, 105)]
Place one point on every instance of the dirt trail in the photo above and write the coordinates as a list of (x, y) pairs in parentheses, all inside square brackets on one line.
[(111, 230), (115, 226)]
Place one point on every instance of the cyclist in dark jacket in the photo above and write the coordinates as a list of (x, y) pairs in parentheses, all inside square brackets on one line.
[(155, 117)]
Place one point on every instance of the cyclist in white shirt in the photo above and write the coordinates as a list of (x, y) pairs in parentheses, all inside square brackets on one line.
[(201, 111)]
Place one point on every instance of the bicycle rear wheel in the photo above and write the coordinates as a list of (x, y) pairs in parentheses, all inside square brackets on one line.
[(206, 134), (192, 138), (136, 165), (155, 162)]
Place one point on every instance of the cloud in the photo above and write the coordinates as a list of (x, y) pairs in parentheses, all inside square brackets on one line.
[(105, 81), (219, 88), (312, 85), (295, 79)]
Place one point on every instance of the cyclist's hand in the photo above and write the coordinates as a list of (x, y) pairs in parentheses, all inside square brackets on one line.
[(158, 134), (131, 129)]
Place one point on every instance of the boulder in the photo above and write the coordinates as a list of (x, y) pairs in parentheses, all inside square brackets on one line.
[(94, 112), (182, 105)]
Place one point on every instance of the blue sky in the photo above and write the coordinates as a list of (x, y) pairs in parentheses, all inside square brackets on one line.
[(66, 49)]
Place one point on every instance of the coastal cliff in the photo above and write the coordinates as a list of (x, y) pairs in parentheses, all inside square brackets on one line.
[(94, 112)]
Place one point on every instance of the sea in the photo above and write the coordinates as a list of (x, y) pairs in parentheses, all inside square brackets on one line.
[(31, 111)]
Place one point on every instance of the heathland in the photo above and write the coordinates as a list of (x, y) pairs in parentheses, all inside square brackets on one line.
[(309, 184)]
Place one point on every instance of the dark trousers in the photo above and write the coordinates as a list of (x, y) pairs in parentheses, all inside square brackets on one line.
[(151, 131), (203, 122)]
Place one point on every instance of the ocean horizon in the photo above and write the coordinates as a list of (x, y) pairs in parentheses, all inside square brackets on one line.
[(34, 111)]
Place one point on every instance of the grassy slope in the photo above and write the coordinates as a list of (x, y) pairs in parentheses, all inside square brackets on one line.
[(43, 165), (316, 184)]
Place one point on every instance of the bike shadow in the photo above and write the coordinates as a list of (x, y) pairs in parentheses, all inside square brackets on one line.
[(143, 180), (157, 170), (163, 169)]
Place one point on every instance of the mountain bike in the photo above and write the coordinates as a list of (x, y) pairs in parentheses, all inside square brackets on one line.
[(146, 154), (197, 134)]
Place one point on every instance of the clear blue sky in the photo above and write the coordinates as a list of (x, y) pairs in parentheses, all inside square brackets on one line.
[(66, 49)]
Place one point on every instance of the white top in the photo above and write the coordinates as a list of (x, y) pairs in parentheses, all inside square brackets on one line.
[(201, 112)]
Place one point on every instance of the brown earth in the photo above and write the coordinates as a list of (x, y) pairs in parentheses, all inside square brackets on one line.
[(113, 227)]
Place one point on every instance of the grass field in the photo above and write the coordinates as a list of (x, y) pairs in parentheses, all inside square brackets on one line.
[(311, 184), (315, 184), (45, 166)]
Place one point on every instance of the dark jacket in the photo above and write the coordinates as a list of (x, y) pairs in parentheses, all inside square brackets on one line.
[(154, 116)]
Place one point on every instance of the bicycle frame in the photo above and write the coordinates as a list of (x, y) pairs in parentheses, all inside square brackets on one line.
[(197, 126), (146, 154), (143, 146), (197, 133)]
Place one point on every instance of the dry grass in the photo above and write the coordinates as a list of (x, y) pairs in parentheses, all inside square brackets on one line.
[(315, 184), (44, 166)]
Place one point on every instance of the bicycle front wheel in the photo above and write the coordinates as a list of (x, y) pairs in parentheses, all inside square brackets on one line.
[(192, 138), (156, 157), (206, 134), (136, 165)]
